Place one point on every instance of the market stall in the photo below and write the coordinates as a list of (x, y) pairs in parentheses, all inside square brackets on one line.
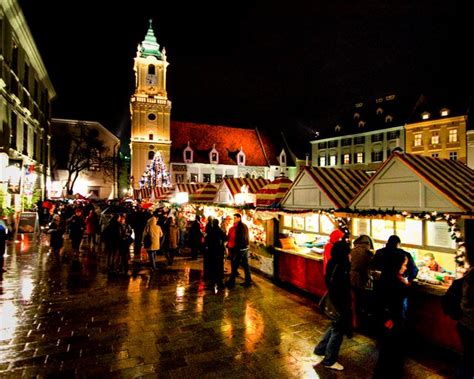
[(424, 201), (306, 220)]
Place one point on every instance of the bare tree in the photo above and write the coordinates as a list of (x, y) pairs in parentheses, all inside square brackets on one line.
[(79, 149)]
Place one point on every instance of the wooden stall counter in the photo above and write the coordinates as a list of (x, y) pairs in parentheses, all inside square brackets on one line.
[(302, 268), (427, 318)]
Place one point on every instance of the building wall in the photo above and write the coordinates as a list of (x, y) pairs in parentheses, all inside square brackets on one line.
[(375, 147), (470, 148), (88, 181), (421, 138), (151, 113), (25, 99)]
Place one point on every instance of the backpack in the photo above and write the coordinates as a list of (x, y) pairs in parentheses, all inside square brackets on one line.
[(451, 300)]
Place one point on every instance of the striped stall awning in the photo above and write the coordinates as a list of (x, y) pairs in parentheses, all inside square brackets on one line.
[(452, 178), (145, 192), (341, 185), (163, 193), (206, 194), (190, 188), (272, 193), (235, 184)]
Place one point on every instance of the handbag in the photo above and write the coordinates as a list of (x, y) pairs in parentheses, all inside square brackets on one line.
[(327, 307)]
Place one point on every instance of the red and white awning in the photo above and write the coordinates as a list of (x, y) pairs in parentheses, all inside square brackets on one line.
[(206, 194), (272, 193)]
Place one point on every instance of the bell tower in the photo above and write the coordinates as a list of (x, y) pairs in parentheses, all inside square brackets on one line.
[(150, 107)]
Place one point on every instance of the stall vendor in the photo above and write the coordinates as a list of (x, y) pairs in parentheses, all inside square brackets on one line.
[(431, 263)]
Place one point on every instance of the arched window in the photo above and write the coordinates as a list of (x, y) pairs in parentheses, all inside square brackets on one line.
[(151, 69), (150, 137), (151, 155)]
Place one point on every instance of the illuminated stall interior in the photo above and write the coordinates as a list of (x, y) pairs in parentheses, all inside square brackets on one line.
[(422, 200)]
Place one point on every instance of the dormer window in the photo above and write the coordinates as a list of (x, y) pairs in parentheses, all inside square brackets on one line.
[(337, 128), (425, 115), (388, 118), (361, 124), (356, 116), (282, 158), (379, 111), (188, 154), (241, 157), (214, 155), (444, 112)]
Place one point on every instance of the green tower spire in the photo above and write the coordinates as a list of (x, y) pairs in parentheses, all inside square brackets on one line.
[(150, 46)]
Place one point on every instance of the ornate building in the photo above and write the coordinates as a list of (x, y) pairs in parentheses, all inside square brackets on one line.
[(437, 127), (193, 153), (365, 136), (26, 93), (150, 107)]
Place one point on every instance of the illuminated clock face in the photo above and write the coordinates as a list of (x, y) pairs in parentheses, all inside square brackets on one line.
[(151, 80)]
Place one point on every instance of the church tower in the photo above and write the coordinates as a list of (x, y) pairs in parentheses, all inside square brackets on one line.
[(150, 107)]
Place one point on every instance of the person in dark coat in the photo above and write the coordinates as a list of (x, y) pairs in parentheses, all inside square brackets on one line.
[(110, 237), (170, 242), (125, 240), (56, 230), (337, 280), (3, 244), (215, 238), (195, 237), (77, 227), (391, 292), (465, 326)]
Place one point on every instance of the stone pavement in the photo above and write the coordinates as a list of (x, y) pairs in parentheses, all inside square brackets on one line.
[(61, 322)]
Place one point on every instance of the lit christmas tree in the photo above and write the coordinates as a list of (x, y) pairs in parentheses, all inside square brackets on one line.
[(156, 174)]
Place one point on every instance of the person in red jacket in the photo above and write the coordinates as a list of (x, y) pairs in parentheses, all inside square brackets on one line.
[(336, 235)]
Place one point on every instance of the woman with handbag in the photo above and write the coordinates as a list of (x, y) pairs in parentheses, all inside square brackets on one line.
[(339, 294)]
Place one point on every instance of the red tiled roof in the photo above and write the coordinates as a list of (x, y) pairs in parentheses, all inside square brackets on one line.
[(273, 192), (228, 141)]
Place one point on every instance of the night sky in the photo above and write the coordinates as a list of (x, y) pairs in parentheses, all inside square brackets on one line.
[(275, 65)]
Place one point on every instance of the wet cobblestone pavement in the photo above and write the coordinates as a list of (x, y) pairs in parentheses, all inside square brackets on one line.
[(61, 322)]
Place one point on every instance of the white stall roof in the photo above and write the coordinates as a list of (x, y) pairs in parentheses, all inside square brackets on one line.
[(407, 182)]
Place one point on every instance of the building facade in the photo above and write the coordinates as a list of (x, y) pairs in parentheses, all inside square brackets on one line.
[(26, 93), (438, 128), (93, 182), (192, 153), (363, 137), (149, 106)]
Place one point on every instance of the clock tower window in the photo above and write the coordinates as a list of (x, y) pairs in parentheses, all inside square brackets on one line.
[(150, 137), (151, 155), (151, 69)]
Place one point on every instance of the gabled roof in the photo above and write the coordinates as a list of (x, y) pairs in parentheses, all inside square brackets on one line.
[(456, 105), (341, 185), (375, 114), (227, 140), (206, 194), (453, 179), (235, 184), (272, 193)]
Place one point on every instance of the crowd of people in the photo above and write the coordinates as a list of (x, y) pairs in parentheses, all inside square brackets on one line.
[(130, 235), (370, 288)]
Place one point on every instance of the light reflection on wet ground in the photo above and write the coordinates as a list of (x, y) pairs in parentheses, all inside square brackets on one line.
[(63, 321)]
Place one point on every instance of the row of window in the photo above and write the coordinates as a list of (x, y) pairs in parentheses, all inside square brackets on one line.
[(435, 139), (347, 158), (359, 140), (38, 141), (453, 155)]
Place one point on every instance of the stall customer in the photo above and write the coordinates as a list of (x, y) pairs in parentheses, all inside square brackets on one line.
[(338, 282), (391, 294), (465, 326), (361, 255), (336, 235)]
